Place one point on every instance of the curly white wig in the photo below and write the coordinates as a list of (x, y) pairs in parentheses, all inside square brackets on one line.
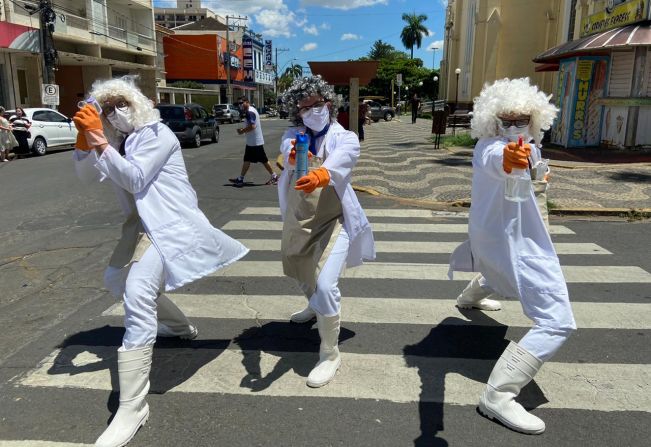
[(143, 111), (304, 88), (511, 97)]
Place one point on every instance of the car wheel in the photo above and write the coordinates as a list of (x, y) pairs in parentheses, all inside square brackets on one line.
[(388, 117), (39, 147), (197, 139), (376, 120), (215, 135)]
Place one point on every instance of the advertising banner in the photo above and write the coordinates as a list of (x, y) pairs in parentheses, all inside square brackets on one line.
[(247, 59), (18, 37), (268, 56), (615, 14)]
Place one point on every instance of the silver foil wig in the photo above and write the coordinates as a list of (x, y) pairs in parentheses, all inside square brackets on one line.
[(304, 88)]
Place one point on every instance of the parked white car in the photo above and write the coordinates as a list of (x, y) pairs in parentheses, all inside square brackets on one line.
[(49, 129)]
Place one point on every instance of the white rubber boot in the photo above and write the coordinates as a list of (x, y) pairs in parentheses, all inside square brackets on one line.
[(303, 316), (172, 322), (329, 359), (476, 297), (514, 369), (133, 374)]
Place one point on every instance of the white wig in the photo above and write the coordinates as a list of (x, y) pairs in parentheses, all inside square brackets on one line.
[(304, 88), (511, 97), (143, 111)]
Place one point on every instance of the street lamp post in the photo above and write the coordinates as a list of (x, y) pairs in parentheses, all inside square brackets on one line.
[(436, 89), (456, 102)]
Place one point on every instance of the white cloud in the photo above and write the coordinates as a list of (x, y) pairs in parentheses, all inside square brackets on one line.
[(343, 4), (312, 29), (309, 46), (350, 36), (324, 26), (438, 44), (430, 33)]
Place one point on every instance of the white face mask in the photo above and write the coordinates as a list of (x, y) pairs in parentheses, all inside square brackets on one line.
[(121, 120), (316, 118), (513, 133)]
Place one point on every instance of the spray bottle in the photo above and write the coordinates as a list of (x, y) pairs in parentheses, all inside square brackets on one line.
[(517, 187), (92, 101), (302, 157)]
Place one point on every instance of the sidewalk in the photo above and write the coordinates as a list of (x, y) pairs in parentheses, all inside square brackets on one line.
[(399, 160)]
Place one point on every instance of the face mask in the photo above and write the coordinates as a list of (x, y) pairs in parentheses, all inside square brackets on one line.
[(316, 118), (512, 133), (121, 120)]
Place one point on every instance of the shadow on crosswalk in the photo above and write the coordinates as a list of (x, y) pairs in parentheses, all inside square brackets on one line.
[(281, 339), (452, 339)]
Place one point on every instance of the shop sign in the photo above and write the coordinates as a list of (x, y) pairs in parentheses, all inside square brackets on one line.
[(614, 16), (268, 55), (247, 59), (50, 94)]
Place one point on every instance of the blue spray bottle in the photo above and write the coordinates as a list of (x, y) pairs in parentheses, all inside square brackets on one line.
[(302, 156)]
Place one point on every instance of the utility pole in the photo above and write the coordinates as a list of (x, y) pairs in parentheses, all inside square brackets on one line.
[(48, 52), (276, 68), (229, 88)]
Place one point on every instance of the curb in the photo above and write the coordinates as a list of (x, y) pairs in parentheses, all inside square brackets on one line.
[(464, 203)]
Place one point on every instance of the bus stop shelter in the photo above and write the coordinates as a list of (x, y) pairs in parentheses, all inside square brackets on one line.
[(353, 74)]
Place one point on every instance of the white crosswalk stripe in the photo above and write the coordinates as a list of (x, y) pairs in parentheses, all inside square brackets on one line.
[(393, 377)]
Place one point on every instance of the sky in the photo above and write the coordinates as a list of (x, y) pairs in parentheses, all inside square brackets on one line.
[(333, 30)]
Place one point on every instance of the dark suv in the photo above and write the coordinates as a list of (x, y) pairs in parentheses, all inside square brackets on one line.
[(190, 123), (378, 111)]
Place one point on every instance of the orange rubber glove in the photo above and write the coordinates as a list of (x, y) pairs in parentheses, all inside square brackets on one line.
[(87, 119), (292, 154), (81, 142), (515, 157), (314, 179)]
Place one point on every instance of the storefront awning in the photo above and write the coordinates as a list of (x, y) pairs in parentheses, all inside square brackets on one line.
[(340, 73), (638, 34)]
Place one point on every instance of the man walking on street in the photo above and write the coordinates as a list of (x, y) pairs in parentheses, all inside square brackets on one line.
[(254, 152), (415, 106)]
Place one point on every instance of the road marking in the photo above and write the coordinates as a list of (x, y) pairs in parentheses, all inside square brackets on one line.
[(420, 271), (32, 443), (401, 311), (395, 378), (370, 212), (562, 248), (377, 227)]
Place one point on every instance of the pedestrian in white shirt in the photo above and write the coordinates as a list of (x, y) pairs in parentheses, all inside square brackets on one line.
[(509, 243), (166, 240), (324, 226), (254, 150)]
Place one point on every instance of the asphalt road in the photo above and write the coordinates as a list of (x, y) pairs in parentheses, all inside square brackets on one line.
[(413, 363)]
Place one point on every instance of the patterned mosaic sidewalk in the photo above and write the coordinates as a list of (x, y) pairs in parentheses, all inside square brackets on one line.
[(398, 159)]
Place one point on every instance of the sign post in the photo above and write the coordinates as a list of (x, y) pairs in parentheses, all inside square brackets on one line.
[(50, 94)]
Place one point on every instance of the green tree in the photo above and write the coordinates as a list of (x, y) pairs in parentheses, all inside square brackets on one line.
[(412, 33), (188, 84), (294, 71)]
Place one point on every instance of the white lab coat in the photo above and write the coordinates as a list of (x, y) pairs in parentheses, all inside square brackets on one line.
[(154, 172), (341, 149), (509, 242)]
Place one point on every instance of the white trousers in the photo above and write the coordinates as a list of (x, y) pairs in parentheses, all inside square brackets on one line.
[(139, 285), (326, 299)]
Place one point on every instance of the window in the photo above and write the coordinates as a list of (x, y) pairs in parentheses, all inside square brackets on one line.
[(40, 115), (193, 18), (22, 86), (202, 113), (56, 117), (570, 30)]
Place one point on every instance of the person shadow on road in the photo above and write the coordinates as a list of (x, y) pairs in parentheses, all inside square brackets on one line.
[(174, 360), (454, 346), (296, 345)]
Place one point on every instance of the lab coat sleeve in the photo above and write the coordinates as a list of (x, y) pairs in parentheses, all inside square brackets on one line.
[(341, 161), (286, 142), (135, 171), (85, 167), (491, 160)]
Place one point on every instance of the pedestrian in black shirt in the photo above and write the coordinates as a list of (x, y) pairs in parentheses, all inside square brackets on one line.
[(415, 106), (20, 125)]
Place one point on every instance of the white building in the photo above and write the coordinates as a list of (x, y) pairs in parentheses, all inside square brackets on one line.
[(186, 11), (94, 39)]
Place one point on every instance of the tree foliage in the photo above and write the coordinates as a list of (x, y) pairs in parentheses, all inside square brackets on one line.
[(412, 34), (187, 84)]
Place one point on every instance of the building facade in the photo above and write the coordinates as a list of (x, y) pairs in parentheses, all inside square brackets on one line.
[(603, 75), (93, 39), (488, 40), (200, 51), (186, 11)]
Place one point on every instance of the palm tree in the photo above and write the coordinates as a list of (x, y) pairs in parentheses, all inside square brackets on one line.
[(412, 33), (294, 71)]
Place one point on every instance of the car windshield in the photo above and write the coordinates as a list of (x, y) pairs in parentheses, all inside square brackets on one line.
[(172, 113), (221, 106)]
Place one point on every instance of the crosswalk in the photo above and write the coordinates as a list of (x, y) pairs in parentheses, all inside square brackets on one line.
[(403, 340)]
